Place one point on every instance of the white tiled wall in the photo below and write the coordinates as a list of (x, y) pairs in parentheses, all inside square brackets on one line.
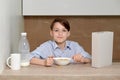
[(11, 24)]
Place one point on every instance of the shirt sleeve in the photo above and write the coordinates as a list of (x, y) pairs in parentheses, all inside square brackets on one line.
[(41, 52), (79, 49)]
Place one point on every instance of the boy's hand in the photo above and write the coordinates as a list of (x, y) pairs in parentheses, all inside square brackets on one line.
[(49, 61), (78, 58)]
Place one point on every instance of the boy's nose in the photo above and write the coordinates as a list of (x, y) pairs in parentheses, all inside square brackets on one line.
[(60, 32)]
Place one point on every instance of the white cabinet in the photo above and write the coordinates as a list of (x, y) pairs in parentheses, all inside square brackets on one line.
[(70, 7)]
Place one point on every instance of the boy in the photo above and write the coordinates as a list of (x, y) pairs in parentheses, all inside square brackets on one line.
[(59, 46)]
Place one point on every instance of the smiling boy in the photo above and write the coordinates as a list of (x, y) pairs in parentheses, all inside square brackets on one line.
[(59, 46)]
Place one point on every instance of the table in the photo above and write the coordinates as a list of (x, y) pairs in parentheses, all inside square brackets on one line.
[(68, 72)]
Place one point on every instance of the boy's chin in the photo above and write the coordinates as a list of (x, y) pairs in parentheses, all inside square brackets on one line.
[(60, 42)]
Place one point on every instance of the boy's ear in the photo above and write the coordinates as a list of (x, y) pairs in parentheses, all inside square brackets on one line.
[(68, 33), (51, 34)]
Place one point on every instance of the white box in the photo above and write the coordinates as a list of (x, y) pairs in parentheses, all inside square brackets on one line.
[(102, 48)]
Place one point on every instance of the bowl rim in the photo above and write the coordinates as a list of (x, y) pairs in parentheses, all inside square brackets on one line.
[(56, 58)]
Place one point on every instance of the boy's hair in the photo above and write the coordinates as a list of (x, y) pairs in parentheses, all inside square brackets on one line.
[(62, 21)]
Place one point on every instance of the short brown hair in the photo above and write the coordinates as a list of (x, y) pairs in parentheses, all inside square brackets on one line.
[(62, 21)]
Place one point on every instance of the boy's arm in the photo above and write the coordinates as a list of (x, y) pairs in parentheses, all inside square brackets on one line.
[(80, 58), (46, 62), (37, 61), (85, 60)]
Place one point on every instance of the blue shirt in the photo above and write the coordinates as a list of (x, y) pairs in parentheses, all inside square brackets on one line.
[(50, 48)]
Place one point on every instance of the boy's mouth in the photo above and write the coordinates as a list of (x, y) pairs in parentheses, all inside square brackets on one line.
[(59, 37)]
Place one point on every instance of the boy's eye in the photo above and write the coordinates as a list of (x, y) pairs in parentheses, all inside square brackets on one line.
[(55, 30), (64, 30), (59, 30)]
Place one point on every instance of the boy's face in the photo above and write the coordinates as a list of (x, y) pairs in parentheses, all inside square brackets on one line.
[(59, 33)]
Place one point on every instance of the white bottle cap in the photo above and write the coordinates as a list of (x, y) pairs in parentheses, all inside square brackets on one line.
[(23, 33)]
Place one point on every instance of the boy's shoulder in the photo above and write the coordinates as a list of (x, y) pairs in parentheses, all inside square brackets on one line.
[(47, 42), (71, 42)]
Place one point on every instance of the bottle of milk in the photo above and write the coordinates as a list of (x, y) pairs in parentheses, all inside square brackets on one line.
[(24, 49)]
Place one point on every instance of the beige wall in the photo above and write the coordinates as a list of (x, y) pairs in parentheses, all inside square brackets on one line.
[(37, 28), (70, 7)]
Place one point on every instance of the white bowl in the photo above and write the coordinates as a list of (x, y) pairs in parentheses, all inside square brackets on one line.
[(62, 61)]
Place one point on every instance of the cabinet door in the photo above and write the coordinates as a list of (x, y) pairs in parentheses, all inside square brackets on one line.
[(71, 7)]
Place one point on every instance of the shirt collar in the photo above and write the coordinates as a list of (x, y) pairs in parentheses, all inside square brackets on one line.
[(55, 46)]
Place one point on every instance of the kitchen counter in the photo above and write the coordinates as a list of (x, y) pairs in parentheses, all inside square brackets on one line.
[(68, 72)]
